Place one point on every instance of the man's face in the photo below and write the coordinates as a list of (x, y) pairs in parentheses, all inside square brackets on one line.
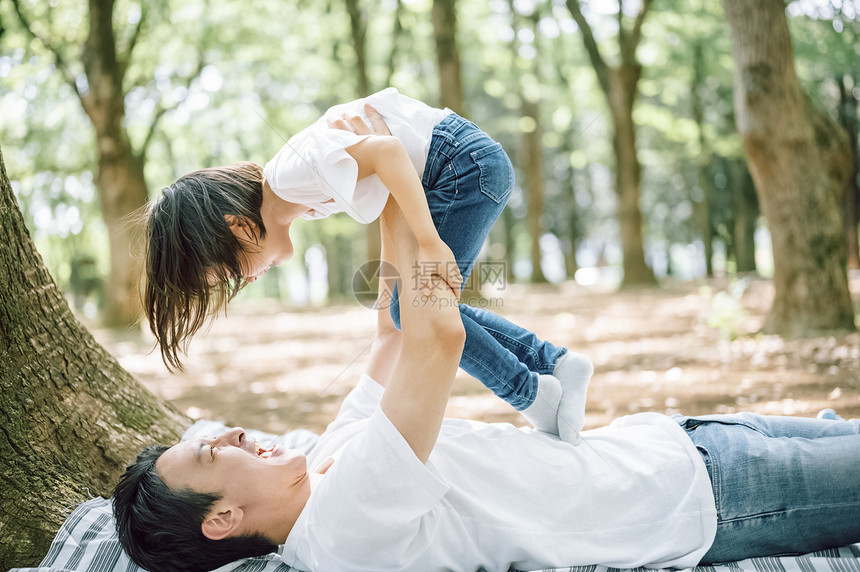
[(237, 469)]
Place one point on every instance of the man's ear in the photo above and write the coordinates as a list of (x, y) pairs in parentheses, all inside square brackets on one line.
[(218, 525)]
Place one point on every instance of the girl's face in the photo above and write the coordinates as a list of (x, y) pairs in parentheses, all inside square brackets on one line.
[(259, 254)]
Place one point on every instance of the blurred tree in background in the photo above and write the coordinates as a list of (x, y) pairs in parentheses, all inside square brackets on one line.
[(618, 115), (619, 84), (800, 160), (98, 77)]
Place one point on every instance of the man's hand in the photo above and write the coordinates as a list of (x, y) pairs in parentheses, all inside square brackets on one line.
[(437, 259), (356, 124)]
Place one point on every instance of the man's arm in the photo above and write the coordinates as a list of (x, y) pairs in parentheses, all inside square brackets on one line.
[(432, 337), (386, 346)]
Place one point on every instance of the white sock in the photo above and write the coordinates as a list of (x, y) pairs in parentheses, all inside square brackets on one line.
[(573, 371), (543, 412)]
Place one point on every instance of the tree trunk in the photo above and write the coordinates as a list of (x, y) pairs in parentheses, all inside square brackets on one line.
[(745, 212), (850, 207), (451, 96), (799, 159), (619, 86), (533, 147), (448, 56), (122, 191), (72, 418), (705, 223), (702, 203), (358, 28), (396, 34), (628, 175), (574, 226), (120, 180), (530, 155)]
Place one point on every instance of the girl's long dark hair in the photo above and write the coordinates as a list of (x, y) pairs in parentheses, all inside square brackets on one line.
[(192, 256)]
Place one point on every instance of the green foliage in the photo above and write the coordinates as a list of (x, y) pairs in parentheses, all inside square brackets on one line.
[(271, 69), (725, 312)]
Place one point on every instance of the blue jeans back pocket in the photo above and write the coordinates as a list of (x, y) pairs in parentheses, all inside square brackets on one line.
[(497, 173)]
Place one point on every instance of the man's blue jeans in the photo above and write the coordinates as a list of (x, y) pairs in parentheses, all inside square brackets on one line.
[(468, 179), (782, 485)]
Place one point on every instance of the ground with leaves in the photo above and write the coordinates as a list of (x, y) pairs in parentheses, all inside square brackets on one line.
[(690, 348)]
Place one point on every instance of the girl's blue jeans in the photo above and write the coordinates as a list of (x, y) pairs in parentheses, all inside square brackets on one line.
[(468, 179), (782, 485)]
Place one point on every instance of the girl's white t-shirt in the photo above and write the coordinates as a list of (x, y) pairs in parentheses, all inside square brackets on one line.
[(314, 169), (635, 493)]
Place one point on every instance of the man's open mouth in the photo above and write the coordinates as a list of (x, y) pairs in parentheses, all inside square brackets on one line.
[(264, 453)]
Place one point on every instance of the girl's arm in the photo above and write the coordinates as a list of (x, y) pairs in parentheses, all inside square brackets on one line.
[(386, 157)]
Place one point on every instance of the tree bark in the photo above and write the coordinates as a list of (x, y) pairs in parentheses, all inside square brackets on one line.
[(619, 86), (799, 160), (448, 55), (70, 417)]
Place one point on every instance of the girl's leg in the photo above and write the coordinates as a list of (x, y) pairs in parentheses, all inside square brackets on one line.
[(496, 367), (781, 485), (537, 355)]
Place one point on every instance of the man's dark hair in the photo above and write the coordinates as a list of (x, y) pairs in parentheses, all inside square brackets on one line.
[(160, 528), (192, 256)]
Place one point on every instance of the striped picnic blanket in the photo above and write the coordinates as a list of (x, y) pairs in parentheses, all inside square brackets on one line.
[(87, 542)]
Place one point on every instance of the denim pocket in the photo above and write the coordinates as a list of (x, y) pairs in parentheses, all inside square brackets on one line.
[(497, 173), (713, 475)]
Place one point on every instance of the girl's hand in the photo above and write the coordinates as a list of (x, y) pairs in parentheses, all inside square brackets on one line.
[(356, 124), (436, 258)]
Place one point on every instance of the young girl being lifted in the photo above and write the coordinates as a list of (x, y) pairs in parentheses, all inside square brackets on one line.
[(216, 229)]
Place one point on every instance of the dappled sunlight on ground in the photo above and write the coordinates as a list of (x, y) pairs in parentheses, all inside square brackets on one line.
[(684, 348)]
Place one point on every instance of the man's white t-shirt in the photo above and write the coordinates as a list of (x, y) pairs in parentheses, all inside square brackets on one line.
[(314, 169), (635, 493)]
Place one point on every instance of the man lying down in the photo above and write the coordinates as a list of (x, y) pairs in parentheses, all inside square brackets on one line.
[(394, 486)]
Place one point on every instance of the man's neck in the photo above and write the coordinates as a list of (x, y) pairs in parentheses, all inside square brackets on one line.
[(287, 519)]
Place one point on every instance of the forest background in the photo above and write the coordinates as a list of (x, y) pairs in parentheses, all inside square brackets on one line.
[(205, 83), (655, 225)]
